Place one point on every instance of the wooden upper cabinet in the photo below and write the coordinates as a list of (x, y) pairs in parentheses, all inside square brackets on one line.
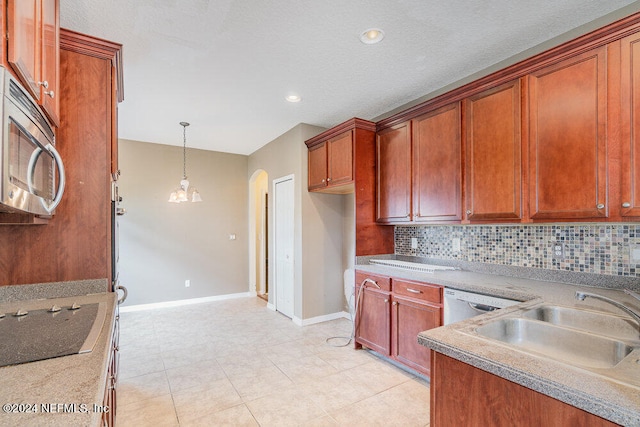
[(317, 158), (331, 164), (493, 160), (437, 162), (630, 140), (340, 159), (393, 153), (33, 28), (23, 27), (567, 137), (49, 98)]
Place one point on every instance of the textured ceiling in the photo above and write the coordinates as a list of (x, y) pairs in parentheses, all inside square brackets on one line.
[(226, 66)]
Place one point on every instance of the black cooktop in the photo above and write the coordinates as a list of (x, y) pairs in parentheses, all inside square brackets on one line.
[(44, 334)]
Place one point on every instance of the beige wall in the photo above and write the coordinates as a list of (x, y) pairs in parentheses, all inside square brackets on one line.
[(318, 254), (162, 244)]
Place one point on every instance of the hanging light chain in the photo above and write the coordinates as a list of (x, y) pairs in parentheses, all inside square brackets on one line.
[(184, 149)]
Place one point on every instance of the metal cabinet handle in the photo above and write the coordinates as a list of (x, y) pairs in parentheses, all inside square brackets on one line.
[(394, 303), (328, 179), (386, 300), (50, 93), (44, 84), (415, 291), (324, 180), (600, 206), (124, 294), (120, 211), (468, 211), (626, 205)]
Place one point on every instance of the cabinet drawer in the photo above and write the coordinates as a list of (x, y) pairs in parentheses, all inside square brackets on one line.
[(383, 281), (423, 291)]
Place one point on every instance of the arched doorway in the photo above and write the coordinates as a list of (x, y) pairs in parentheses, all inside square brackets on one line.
[(259, 234)]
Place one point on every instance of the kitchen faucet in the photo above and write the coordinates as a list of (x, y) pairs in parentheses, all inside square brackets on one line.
[(580, 296)]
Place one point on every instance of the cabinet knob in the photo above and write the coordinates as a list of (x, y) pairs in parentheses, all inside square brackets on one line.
[(50, 93), (600, 206), (386, 300), (324, 180), (328, 179), (626, 205), (394, 303), (468, 211), (44, 84)]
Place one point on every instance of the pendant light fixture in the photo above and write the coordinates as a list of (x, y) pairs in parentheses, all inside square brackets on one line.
[(184, 193)]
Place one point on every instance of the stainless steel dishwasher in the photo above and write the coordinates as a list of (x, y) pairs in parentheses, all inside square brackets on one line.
[(462, 305)]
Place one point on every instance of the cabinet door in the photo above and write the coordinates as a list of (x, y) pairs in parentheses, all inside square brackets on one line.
[(393, 149), (24, 26), (568, 164), (373, 325), (437, 165), (630, 125), (49, 97), (408, 319), (317, 166), (493, 160), (340, 153)]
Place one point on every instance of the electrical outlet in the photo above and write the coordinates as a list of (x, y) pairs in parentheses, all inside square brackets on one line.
[(634, 253), (455, 244), (414, 243), (558, 251), (232, 237), (187, 283)]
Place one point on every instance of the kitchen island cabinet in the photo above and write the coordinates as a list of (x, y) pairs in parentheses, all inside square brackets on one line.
[(463, 395)]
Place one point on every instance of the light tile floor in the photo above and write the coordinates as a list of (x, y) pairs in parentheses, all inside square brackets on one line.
[(237, 363)]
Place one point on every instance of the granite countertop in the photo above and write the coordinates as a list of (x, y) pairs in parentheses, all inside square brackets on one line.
[(614, 400), (77, 381)]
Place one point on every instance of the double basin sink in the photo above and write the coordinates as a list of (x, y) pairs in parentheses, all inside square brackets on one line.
[(603, 343)]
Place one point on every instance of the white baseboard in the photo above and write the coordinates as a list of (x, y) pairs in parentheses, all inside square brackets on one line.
[(177, 303), (320, 319)]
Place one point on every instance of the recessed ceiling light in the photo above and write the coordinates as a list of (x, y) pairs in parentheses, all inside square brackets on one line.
[(293, 98), (372, 36)]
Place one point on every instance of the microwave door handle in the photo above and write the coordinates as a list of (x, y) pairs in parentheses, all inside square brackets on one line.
[(61, 183)]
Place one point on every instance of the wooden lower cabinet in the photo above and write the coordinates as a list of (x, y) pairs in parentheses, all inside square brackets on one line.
[(109, 401), (373, 320), (463, 395), (389, 319), (408, 319)]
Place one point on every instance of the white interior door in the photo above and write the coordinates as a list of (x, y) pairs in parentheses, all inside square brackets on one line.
[(283, 195)]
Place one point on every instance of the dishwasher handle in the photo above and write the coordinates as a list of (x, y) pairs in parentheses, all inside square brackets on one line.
[(482, 308)]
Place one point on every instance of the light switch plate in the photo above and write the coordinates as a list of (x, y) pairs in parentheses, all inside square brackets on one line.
[(634, 253)]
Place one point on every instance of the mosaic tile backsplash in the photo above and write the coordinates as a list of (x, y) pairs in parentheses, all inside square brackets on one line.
[(588, 248)]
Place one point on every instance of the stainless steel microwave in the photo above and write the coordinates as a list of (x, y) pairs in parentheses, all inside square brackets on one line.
[(32, 176)]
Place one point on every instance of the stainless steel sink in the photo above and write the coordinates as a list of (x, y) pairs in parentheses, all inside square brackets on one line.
[(566, 345), (597, 322)]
